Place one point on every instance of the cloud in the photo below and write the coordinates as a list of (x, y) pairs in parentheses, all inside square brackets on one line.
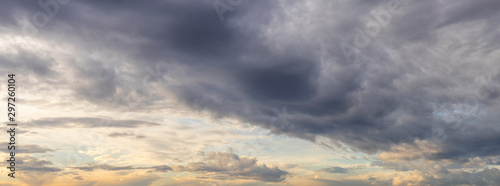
[(342, 182), (387, 100), (228, 164), (419, 83), (29, 149), (105, 167), (444, 177), (92, 167), (162, 168), (217, 165), (96, 82), (125, 134), (24, 60), (89, 122), (33, 164), (335, 170), (391, 99)]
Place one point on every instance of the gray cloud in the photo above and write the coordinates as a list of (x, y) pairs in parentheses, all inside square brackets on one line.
[(92, 167), (96, 82), (23, 60), (479, 177), (105, 167), (224, 165), (89, 122), (125, 134), (346, 182), (335, 170), (32, 164), (162, 168), (229, 164), (30, 149)]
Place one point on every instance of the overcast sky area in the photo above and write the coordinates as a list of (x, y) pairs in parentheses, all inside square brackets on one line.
[(253, 92)]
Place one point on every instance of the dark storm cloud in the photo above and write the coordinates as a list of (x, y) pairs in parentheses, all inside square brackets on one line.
[(420, 65), (171, 29), (291, 81), (474, 141)]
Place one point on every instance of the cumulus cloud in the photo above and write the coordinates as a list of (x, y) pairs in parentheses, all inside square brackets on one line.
[(225, 164), (445, 177), (32, 164)]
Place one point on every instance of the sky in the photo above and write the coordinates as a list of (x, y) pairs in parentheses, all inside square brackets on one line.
[(252, 92)]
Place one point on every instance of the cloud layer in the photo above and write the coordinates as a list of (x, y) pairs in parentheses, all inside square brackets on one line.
[(420, 75)]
